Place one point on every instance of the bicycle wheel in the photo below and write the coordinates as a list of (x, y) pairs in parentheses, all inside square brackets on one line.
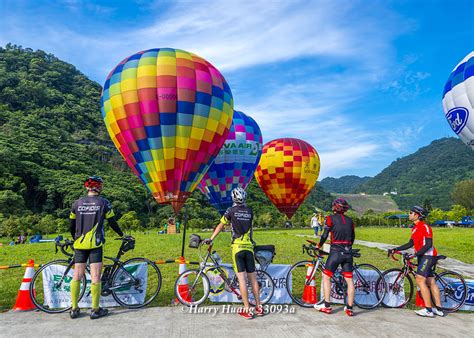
[(452, 289), (399, 288), (50, 287), (369, 285), (265, 284), (136, 283), (299, 285), (192, 287)]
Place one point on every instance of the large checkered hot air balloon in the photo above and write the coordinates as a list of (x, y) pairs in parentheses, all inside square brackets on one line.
[(458, 100), (235, 164), (287, 171), (168, 112)]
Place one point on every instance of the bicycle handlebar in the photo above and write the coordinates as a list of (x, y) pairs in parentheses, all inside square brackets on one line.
[(64, 246)]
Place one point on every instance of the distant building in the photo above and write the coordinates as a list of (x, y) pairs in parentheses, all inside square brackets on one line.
[(385, 193), (362, 193)]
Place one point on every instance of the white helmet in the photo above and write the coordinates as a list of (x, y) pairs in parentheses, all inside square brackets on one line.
[(239, 195)]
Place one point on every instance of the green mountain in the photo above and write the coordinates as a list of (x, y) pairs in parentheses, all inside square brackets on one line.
[(52, 137), (426, 176), (344, 184)]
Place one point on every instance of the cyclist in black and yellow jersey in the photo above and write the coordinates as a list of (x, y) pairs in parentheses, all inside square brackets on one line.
[(87, 228), (240, 217)]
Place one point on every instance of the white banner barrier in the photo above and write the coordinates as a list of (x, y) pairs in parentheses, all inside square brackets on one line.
[(55, 297), (468, 303), (278, 273)]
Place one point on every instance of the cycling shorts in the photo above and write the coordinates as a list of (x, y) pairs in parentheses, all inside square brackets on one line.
[(337, 258), (426, 266), (94, 255), (244, 261)]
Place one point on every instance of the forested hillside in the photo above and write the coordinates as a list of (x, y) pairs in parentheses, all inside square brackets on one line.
[(52, 137)]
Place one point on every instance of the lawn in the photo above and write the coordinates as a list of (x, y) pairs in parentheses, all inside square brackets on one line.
[(160, 247)]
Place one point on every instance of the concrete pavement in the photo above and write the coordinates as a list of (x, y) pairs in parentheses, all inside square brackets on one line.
[(178, 322)]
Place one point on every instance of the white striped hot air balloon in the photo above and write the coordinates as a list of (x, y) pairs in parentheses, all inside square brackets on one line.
[(458, 100)]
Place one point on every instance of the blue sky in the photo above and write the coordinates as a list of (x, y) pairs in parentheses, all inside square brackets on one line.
[(359, 80)]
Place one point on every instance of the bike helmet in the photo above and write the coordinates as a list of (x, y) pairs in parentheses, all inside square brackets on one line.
[(94, 183), (340, 205), (420, 211), (239, 195)]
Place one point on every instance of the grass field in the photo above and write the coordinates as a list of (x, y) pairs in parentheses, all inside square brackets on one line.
[(456, 243)]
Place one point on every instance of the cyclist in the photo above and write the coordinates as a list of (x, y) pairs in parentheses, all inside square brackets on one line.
[(87, 228), (422, 239), (240, 217), (342, 233)]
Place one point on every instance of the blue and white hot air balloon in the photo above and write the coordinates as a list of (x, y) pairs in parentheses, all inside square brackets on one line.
[(458, 100)]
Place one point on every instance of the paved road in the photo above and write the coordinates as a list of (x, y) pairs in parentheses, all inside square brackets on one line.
[(172, 322)]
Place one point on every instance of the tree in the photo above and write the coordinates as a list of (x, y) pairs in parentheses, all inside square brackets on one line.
[(463, 194), (129, 222), (457, 212)]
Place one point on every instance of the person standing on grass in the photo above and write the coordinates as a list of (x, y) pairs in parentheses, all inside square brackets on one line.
[(342, 232), (87, 229), (315, 224), (422, 239), (240, 217)]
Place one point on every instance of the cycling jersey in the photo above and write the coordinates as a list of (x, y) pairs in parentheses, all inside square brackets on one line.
[(419, 233), (89, 214), (240, 218), (342, 231)]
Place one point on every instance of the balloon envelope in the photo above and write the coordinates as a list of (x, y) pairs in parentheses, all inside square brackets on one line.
[(287, 171), (458, 100), (235, 164), (168, 112)]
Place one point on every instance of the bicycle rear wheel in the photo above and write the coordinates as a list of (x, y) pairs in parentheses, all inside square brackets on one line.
[(136, 283), (300, 287), (192, 287), (50, 287), (399, 288), (370, 287), (265, 285), (452, 289)]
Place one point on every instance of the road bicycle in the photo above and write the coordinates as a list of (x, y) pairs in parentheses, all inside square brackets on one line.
[(368, 281), (193, 287), (133, 284), (452, 287)]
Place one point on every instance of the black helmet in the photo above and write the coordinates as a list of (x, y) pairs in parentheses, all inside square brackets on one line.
[(94, 183), (420, 211), (340, 205)]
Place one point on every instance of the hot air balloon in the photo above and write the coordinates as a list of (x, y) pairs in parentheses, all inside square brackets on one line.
[(235, 164), (287, 171), (168, 112), (458, 100)]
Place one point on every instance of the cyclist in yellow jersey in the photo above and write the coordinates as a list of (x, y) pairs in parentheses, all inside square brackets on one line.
[(87, 228), (240, 217)]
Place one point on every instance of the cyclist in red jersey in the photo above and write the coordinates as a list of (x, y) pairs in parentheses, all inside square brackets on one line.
[(342, 232), (422, 241)]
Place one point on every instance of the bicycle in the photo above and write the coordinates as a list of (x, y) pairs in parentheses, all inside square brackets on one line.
[(133, 284), (452, 287), (368, 281), (199, 287)]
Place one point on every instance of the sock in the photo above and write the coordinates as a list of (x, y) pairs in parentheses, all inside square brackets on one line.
[(96, 288), (327, 304), (429, 309), (75, 288), (349, 307)]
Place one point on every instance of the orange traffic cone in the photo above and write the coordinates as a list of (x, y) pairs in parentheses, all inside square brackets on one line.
[(23, 300), (419, 299), (183, 287), (309, 292)]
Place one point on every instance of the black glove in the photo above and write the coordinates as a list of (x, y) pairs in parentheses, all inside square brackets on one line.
[(207, 241), (390, 252)]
